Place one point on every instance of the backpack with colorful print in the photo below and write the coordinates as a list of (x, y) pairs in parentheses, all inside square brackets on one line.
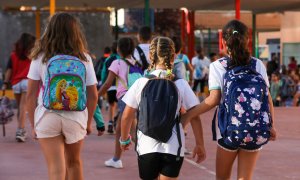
[(134, 73), (65, 84), (244, 116)]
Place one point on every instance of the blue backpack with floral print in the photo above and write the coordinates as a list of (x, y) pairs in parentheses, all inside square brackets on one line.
[(244, 116), (65, 84)]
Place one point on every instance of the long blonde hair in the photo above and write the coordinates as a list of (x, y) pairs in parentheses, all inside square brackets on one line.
[(63, 35), (162, 52)]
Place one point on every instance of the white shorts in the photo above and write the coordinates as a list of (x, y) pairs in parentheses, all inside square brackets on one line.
[(20, 87), (52, 125)]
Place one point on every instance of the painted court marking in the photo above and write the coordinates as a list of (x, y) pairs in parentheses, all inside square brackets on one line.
[(200, 167)]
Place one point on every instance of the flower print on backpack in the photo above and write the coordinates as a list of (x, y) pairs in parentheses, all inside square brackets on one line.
[(255, 104)]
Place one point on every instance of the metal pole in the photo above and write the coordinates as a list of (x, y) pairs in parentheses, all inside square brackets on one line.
[(183, 31), (116, 25), (147, 12), (52, 7), (38, 24), (191, 35), (209, 40), (254, 34), (238, 9)]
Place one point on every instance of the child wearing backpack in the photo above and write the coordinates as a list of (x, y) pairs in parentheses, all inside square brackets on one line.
[(239, 85), (68, 97), (158, 98), (112, 91), (121, 70), (182, 66), (141, 51)]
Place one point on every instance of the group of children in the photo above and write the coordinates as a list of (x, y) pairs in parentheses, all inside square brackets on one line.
[(61, 131)]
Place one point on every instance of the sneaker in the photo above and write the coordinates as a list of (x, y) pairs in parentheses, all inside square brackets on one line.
[(110, 128), (115, 164), (21, 135)]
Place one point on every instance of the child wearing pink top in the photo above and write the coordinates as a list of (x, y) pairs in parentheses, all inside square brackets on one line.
[(119, 69)]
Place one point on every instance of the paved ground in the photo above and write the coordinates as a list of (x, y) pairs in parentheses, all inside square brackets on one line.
[(279, 160)]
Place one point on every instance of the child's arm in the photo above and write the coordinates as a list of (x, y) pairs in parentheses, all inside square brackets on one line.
[(273, 130), (92, 99), (126, 121), (210, 102), (31, 99), (110, 79), (199, 149)]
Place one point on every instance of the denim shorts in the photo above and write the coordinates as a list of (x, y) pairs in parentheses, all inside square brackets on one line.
[(121, 105), (226, 147), (20, 87)]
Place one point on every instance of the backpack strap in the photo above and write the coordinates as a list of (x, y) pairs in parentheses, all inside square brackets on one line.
[(178, 137), (145, 63), (213, 125)]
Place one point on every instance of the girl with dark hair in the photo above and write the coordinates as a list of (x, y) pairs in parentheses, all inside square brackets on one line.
[(157, 159), (235, 39), (61, 132), (119, 69), (16, 73)]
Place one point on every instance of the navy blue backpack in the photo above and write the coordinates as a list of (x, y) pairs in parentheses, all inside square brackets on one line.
[(158, 109), (244, 116)]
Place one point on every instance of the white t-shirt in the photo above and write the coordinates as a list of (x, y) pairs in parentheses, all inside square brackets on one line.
[(146, 49), (216, 77), (146, 144), (37, 72), (203, 64), (217, 72)]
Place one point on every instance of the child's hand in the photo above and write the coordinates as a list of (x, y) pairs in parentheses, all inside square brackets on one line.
[(273, 133), (125, 147), (199, 150), (88, 130), (34, 134)]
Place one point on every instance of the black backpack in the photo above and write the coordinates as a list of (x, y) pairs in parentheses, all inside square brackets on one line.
[(158, 108), (145, 63)]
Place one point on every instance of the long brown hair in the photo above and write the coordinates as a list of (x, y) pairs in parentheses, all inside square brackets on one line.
[(63, 35), (24, 45), (235, 33)]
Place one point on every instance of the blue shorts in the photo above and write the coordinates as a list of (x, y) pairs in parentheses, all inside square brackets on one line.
[(20, 87), (226, 147), (121, 105)]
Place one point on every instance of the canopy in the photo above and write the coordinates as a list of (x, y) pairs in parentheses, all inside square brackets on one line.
[(256, 6)]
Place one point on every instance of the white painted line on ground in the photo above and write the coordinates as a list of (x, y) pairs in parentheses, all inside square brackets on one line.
[(200, 167)]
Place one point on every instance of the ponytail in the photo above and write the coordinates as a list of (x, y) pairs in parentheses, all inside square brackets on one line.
[(235, 34)]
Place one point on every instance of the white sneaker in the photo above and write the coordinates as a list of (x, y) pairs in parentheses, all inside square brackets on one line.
[(115, 164)]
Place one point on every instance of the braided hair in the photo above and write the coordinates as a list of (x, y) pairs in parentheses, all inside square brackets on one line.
[(162, 52)]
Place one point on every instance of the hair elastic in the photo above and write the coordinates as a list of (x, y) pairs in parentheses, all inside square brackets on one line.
[(233, 32)]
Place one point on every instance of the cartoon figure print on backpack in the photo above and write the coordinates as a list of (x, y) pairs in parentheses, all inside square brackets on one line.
[(157, 98), (239, 84)]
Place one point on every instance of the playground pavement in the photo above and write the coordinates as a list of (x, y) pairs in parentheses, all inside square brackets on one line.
[(278, 160)]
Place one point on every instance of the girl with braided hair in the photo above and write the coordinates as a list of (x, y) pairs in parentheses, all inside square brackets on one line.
[(166, 156)]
